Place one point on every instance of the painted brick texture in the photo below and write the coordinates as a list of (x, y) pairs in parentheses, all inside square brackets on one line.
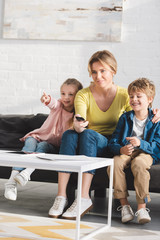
[(29, 67)]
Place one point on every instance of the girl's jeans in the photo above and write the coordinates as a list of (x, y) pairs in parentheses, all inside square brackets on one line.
[(32, 145), (89, 143)]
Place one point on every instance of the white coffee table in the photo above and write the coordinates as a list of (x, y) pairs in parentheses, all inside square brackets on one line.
[(79, 164)]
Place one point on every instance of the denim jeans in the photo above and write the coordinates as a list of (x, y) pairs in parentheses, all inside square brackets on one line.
[(32, 145), (89, 143)]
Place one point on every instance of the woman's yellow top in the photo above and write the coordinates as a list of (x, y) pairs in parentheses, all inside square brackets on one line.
[(99, 121)]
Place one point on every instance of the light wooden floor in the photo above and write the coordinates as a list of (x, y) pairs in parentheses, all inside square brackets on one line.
[(36, 198)]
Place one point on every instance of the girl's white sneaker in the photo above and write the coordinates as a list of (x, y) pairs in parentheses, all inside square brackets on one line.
[(22, 178), (11, 191)]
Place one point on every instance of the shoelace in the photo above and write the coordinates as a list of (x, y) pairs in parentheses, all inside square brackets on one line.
[(73, 206), (143, 211), (11, 186), (124, 209), (57, 203), (119, 208)]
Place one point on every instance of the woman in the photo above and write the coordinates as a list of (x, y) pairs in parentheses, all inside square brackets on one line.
[(101, 104)]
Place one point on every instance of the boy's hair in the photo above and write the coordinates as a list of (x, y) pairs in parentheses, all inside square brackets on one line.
[(143, 85), (104, 57), (73, 81)]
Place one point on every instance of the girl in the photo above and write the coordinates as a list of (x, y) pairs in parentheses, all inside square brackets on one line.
[(47, 138)]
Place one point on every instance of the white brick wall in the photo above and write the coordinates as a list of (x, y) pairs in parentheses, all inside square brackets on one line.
[(27, 68)]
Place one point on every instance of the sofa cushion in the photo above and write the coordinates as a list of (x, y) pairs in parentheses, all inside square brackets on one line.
[(13, 127)]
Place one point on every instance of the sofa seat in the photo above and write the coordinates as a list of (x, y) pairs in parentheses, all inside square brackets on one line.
[(13, 127)]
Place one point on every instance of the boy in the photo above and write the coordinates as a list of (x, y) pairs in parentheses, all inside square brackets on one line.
[(136, 142)]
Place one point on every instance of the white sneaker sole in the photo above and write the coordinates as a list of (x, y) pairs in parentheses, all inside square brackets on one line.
[(54, 216), (144, 220)]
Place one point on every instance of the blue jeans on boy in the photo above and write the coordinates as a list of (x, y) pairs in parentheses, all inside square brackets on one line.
[(32, 145), (89, 143)]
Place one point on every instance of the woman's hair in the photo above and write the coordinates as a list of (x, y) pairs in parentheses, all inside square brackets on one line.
[(104, 57), (73, 81), (143, 85)]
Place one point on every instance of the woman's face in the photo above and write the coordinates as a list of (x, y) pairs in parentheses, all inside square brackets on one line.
[(102, 75)]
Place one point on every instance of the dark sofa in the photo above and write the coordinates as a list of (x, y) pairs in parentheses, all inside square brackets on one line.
[(13, 127)]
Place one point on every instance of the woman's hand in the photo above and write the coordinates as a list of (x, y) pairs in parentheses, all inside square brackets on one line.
[(79, 126), (156, 117), (45, 98)]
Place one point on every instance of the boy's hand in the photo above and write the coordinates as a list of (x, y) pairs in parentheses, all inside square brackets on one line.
[(134, 141), (127, 150), (79, 126), (45, 99)]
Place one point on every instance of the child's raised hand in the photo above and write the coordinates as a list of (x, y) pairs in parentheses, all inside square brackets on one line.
[(45, 98)]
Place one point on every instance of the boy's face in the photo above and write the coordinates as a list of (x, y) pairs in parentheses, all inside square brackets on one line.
[(139, 101), (68, 93)]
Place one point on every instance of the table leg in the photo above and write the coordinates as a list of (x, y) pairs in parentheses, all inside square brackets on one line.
[(110, 195), (108, 224), (79, 190)]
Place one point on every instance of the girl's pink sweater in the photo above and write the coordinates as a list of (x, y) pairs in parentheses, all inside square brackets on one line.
[(58, 121)]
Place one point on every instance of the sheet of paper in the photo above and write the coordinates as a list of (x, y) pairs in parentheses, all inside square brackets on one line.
[(53, 157)]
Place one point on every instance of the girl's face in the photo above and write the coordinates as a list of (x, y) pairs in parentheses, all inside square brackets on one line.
[(68, 93), (139, 100), (102, 75)]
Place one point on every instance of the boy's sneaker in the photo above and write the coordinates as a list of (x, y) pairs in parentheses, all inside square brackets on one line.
[(71, 213), (11, 191), (143, 215), (126, 213), (58, 206), (22, 178)]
